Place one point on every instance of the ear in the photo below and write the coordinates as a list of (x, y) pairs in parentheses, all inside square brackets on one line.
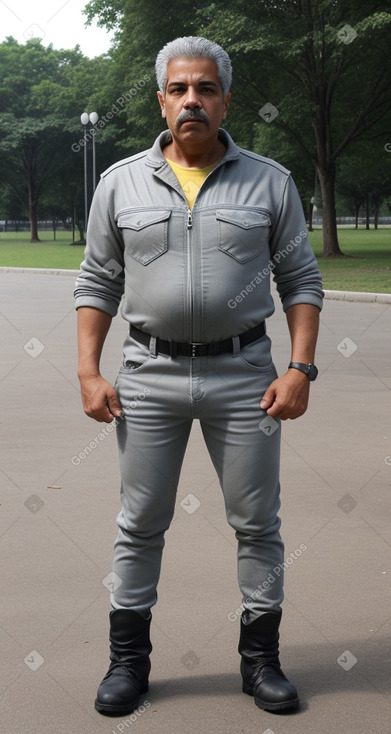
[(162, 104), (226, 104)]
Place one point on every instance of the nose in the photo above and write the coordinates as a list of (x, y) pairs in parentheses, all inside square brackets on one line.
[(192, 100)]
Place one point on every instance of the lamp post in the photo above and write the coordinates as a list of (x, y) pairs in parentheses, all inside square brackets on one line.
[(94, 117), (89, 181)]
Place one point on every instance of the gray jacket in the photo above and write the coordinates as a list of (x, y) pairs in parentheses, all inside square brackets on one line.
[(203, 275)]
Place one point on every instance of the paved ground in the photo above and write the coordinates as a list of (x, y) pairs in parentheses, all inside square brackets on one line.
[(58, 509)]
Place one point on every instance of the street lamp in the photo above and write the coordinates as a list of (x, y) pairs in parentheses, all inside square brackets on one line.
[(89, 186)]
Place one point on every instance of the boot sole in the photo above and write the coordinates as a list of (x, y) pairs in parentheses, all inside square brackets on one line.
[(265, 706)]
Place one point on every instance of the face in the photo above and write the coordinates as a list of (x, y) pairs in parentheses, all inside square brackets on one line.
[(193, 104)]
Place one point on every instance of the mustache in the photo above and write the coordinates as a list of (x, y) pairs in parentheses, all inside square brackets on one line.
[(195, 114)]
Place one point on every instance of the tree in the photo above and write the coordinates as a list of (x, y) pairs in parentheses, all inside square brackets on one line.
[(273, 143), (364, 179), (325, 68), (137, 42), (42, 93), (12, 203), (317, 70), (22, 131)]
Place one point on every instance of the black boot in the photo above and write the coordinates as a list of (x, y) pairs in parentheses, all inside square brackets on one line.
[(260, 665), (127, 676)]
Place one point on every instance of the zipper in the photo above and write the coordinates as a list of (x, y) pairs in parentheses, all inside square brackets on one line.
[(189, 273), (189, 225)]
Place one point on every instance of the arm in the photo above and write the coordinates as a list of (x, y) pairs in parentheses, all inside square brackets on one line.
[(100, 400), (287, 397)]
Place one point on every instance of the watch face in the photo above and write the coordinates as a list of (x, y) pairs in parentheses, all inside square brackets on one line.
[(312, 371)]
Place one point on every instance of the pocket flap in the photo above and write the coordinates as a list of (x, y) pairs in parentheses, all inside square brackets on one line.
[(142, 218), (244, 219)]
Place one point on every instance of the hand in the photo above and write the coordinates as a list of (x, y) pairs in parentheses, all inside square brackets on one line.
[(100, 400), (287, 397)]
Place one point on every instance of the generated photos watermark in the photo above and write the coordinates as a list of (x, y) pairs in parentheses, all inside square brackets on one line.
[(273, 576), (266, 271), (268, 112), (103, 120), (109, 428), (131, 719), (347, 347), (346, 34)]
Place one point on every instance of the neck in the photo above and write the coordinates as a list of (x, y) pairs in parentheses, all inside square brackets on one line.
[(192, 156)]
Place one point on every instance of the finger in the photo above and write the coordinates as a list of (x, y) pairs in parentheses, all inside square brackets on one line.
[(268, 399), (114, 405), (276, 411), (100, 413), (98, 407)]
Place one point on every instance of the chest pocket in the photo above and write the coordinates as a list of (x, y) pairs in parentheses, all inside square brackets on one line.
[(243, 234), (144, 232)]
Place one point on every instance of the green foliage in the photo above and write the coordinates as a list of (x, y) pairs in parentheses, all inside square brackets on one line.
[(108, 12), (364, 177), (42, 94), (325, 66)]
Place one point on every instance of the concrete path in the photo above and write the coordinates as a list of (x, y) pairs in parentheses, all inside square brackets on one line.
[(59, 500)]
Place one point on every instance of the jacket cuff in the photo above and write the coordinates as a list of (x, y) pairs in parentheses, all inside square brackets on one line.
[(310, 298), (95, 302)]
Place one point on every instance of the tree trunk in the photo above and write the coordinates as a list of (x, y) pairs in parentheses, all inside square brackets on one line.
[(326, 174), (367, 222), (33, 202), (356, 213), (310, 218), (80, 226), (377, 208)]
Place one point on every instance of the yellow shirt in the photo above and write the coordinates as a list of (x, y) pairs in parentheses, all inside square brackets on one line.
[(191, 179)]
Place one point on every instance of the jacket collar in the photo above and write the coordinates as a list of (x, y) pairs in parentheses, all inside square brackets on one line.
[(156, 159)]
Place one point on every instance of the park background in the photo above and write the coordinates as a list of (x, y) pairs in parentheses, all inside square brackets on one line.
[(310, 89), (325, 68)]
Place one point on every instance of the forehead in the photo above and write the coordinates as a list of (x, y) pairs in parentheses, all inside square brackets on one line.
[(184, 69)]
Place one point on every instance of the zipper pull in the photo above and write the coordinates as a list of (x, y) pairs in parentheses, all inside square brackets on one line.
[(189, 220)]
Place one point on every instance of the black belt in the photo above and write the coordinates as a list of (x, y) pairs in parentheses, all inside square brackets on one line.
[(198, 349)]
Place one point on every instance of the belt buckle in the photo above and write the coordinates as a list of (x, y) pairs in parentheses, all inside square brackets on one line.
[(194, 346)]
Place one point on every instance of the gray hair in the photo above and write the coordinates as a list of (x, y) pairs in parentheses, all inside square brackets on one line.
[(192, 47)]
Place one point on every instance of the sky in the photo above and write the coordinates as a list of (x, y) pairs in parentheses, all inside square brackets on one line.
[(59, 22)]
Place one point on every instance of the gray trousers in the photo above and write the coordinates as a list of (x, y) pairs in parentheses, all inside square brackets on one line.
[(160, 397)]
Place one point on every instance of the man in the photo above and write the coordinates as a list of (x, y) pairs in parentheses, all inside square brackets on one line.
[(190, 231)]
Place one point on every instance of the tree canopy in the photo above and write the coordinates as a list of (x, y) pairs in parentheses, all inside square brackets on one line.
[(318, 72), (310, 88), (42, 94)]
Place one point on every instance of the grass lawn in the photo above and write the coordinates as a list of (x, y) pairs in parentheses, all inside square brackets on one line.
[(16, 251), (368, 268)]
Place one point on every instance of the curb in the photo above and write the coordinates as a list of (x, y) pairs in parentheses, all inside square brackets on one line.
[(39, 271), (329, 295), (358, 296)]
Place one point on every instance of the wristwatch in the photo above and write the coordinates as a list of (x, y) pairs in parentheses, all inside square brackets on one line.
[(309, 369)]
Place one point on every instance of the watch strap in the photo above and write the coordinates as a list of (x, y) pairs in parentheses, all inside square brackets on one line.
[(308, 369)]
